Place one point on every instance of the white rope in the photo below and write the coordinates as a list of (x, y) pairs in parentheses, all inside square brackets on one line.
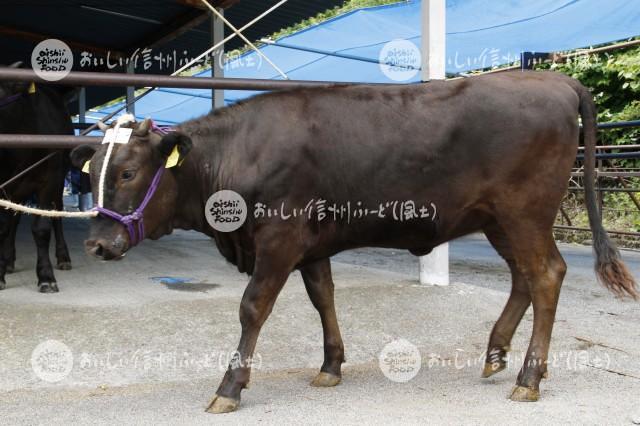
[(126, 118), (103, 172), (246, 40), (229, 37), (47, 213)]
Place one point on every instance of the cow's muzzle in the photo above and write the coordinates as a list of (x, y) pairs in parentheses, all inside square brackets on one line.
[(105, 250)]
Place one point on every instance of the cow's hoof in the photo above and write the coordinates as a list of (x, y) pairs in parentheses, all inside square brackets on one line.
[(64, 266), (48, 287), (11, 268), (325, 380), (222, 404), (492, 368), (3, 285), (523, 394)]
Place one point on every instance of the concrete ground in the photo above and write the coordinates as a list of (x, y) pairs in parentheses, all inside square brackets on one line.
[(142, 351)]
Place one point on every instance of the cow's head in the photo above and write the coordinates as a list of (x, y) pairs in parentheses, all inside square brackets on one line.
[(129, 175)]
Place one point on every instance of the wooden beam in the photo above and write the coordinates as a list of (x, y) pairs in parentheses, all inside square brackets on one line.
[(74, 45), (172, 30)]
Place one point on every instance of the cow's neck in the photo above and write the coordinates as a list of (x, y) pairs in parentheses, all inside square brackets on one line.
[(200, 174)]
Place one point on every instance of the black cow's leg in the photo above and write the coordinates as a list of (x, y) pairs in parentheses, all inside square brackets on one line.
[(319, 285), (5, 228), (517, 305), (9, 245), (41, 229), (62, 252), (270, 274)]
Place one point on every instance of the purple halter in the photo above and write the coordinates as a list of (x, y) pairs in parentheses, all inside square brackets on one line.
[(136, 219)]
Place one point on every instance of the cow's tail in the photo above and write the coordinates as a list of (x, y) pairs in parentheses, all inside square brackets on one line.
[(610, 269)]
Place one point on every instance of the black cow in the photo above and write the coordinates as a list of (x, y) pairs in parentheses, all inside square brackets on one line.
[(37, 109), (491, 154)]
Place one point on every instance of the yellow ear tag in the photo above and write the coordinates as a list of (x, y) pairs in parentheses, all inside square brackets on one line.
[(85, 168), (32, 88), (172, 161)]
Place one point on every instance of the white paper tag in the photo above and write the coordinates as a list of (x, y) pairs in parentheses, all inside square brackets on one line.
[(108, 136), (121, 137)]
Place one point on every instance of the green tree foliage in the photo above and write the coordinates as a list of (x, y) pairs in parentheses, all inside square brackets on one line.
[(348, 6), (614, 79)]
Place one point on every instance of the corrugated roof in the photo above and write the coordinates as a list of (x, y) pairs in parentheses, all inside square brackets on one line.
[(121, 27)]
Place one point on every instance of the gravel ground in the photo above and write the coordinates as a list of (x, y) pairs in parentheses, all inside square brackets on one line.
[(145, 352)]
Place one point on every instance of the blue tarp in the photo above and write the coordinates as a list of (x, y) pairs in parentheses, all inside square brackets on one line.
[(480, 34)]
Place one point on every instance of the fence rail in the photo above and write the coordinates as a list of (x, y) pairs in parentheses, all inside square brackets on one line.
[(79, 78)]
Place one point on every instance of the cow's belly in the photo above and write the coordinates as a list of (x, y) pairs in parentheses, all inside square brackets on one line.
[(418, 234)]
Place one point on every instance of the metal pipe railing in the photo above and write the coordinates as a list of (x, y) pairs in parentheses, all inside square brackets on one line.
[(578, 228), (79, 78), (47, 141), (617, 156)]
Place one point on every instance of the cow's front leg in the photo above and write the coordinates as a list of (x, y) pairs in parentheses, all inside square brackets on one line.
[(268, 278), (319, 284), (41, 229)]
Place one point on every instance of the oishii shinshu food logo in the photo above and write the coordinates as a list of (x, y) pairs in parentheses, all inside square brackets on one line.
[(52, 60), (226, 211)]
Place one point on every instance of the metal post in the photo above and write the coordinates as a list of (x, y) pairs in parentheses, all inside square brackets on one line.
[(433, 40), (82, 105), (217, 58), (131, 91), (434, 268)]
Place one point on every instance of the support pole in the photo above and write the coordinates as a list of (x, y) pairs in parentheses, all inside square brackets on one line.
[(434, 39), (217, 58), (131, 91), (82, 105), (434, 268)]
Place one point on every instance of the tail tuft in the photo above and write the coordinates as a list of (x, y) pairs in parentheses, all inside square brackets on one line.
[(612, 272)]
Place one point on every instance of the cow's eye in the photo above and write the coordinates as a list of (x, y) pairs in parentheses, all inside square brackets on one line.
[(128, 175)]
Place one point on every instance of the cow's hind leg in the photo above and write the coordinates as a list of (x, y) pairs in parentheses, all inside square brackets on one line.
[(10, 244), (544, 271), (319, 285), (517, 305), (5, 230), (271, 271), (62, 252), (541, 266)]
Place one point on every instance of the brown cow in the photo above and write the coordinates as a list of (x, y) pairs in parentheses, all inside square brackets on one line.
[(491, 154)]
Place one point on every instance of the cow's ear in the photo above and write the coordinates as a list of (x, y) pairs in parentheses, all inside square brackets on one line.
[(175, 140), (80, 155)]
